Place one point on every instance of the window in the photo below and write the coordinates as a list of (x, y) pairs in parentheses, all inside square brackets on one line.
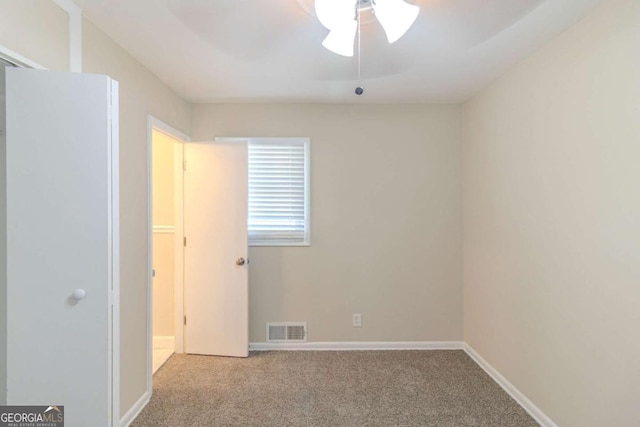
[(279, 192)]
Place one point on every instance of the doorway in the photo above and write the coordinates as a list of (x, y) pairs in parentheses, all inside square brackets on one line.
[(207, 188), (166, 168)]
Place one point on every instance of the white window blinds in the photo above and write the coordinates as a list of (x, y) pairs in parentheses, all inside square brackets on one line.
[(278, 191)]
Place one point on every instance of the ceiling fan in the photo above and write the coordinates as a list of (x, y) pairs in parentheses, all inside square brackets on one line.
[(342, 19)]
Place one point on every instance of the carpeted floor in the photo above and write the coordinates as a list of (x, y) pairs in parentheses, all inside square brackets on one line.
[(326, 388)]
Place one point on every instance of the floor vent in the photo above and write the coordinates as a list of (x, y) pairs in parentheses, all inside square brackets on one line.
[(286, 332)]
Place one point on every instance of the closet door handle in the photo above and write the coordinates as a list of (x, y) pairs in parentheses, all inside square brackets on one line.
[(79, 294)]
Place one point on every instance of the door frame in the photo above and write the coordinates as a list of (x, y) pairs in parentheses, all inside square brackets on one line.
[(154, 123)]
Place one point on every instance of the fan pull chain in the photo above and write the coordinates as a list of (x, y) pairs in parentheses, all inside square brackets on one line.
[(359, 89)]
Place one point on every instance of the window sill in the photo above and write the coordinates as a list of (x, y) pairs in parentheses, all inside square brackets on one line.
[(290, 244)]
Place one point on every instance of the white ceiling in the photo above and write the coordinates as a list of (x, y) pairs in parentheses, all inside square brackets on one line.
[(270, 50)]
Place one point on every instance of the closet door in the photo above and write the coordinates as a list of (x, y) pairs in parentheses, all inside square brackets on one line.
[(62, 244)]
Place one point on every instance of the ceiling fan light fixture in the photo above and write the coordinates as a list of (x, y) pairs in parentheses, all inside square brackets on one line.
[(395, 16), (341, 39), (341, 18)]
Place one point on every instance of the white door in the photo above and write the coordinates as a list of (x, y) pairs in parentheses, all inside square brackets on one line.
[(216, 272), (62, 244)]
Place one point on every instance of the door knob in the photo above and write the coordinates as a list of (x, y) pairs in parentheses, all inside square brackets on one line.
[(240, 261), (79, 294)]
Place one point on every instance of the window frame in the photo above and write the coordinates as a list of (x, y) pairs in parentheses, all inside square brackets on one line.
[(306, 143)]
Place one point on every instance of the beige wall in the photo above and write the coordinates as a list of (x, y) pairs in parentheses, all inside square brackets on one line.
[(141, 93), (551, 222), (385, 221), (37, 30), (163, 238)]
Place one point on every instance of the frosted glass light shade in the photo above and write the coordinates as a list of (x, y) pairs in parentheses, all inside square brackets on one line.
[(339, 17), (341, 39), (395, 16)]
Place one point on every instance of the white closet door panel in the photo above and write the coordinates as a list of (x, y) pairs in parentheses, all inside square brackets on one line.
[(60, 239)]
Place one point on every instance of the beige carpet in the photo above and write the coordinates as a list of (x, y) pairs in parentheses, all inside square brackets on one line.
[(325, 388)]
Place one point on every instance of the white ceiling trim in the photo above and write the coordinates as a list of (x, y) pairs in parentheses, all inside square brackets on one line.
[(75, 33)]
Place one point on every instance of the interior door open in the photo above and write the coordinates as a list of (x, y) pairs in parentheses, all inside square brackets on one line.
[(216, 270)]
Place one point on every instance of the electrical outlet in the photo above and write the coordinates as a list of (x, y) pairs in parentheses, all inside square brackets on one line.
[(357, 320)]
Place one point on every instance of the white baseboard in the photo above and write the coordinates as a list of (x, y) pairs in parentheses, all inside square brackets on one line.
[(516, 394), (164, 342), (358, 345), (135, 409)]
